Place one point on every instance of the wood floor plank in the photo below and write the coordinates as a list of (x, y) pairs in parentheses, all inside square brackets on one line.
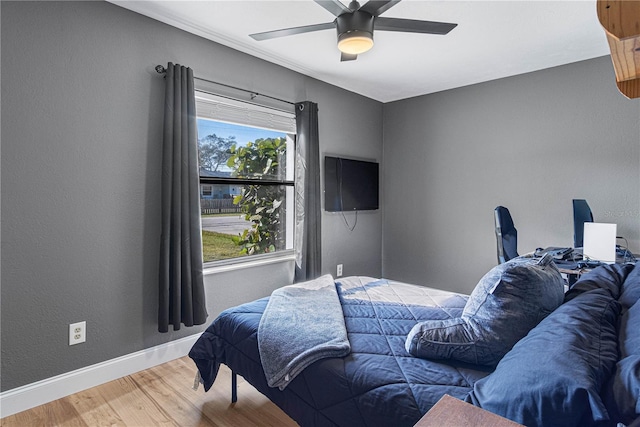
[(252, 408), (159, 396), (182, 411), (59, 413), (93, 409), (133, 405)]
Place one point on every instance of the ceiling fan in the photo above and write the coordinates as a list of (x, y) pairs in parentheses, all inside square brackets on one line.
[(355, 25)]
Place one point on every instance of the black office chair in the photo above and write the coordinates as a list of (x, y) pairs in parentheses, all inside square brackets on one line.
[(506, 235), (581, 214)]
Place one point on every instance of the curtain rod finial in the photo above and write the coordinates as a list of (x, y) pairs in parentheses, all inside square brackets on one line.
[(160, 69)]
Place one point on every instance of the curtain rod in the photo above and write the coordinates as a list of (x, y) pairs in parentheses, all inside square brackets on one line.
[(162, 70)]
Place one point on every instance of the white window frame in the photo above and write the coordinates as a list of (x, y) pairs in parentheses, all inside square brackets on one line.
[(207, 190), (223, 109)]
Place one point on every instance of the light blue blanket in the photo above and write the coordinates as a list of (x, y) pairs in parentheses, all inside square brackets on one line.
[(301, 324)]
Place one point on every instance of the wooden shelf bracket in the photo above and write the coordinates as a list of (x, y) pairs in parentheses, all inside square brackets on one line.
[(621, 22)]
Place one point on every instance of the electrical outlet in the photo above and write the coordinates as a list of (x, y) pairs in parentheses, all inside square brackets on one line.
[(77, 333), (339, 270)]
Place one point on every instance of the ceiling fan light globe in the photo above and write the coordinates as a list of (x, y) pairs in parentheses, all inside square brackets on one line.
[(355, 42)]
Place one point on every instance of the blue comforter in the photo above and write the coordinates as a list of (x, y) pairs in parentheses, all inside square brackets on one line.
[(377, 384), (580, 366)]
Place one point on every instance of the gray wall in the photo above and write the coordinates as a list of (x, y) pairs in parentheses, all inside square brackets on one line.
[(531, 143), (81, 130), (81, 133)]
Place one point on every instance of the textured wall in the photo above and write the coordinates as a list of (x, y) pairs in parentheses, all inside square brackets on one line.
[(81, 137), (531, 143)]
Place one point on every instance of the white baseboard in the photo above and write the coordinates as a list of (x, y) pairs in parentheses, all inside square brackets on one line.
[(41, 392)]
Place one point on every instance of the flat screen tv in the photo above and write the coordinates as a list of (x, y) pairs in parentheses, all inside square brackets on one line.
[(350, 185)]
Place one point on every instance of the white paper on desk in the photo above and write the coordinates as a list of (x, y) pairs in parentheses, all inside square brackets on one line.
[(600, 241)]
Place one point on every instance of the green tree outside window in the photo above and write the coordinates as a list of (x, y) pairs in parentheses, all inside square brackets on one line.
[(262, 205)]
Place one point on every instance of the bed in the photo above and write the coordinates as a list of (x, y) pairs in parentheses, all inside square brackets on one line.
[(379, 383)]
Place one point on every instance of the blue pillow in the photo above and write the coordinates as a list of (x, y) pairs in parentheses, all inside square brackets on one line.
[(553, 376), (505, 305), (622, 395), (630, 291), (610, 277)]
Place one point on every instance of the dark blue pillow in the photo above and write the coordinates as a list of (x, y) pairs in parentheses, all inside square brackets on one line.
[(553, 376), (630, 292), (622, 395), (505, 305), (610, 277)]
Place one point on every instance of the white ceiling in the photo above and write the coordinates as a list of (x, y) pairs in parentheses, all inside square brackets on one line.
[(493, 39)]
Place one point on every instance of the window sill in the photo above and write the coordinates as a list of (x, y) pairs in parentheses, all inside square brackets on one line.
[(255, 261)]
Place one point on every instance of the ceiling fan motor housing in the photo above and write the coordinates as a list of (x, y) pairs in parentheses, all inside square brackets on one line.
[(355, 24)]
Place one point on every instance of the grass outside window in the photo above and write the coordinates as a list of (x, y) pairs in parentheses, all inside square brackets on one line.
[(218, 246)]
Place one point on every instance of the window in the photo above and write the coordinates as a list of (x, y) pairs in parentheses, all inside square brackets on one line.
[(206, 191), (246, 155)]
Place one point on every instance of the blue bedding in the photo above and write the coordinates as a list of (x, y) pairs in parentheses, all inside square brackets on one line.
[(580, 366), (377, 384)]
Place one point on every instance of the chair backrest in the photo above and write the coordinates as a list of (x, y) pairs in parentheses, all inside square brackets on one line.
[(581, 214), (506, 235)]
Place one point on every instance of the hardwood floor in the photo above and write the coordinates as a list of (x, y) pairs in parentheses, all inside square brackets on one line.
[(160, 396)]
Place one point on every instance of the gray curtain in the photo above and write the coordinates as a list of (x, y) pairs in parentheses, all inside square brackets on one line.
[(308, 249), (182, 298)]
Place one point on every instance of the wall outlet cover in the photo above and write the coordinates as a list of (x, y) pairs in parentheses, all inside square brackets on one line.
[(77, 333)]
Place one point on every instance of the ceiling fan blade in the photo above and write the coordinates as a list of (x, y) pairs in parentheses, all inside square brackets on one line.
[(291, 31), (347, 57), (413, 26), (376, 8), (335, 7)]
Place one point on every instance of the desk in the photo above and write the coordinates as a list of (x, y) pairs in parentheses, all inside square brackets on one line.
[(571, 269), (568, 267), (452, 412)]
